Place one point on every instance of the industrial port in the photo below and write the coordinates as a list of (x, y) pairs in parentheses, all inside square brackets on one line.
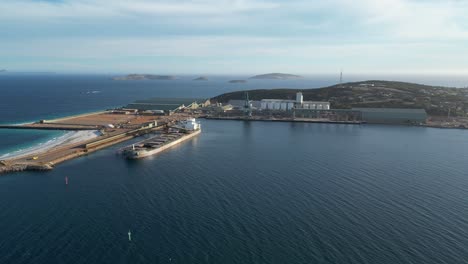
[(162, 114), (114, 126)]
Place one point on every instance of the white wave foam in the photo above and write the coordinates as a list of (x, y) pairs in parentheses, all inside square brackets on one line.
[(68, 138)]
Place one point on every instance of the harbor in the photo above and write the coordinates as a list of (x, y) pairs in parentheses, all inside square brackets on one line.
[(110, 127), (285, 119), (162, 115)]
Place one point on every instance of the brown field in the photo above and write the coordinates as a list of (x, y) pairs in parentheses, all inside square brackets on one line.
[(95, 121), (104, 119)]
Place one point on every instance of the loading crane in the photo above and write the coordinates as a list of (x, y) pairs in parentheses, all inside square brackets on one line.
[(247, 105)]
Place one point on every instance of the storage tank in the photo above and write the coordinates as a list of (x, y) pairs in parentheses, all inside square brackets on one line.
[(299, 98)]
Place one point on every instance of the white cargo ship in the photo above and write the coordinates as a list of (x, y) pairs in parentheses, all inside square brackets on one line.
[(182, 131)]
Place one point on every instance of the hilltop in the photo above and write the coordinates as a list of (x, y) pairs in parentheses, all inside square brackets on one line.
[(436, 100), (282, 76), (144, 77)]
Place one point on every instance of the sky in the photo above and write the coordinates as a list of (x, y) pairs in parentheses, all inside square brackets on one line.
[(235, 36)]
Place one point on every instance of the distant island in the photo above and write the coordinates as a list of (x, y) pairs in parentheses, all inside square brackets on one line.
[(280, 76), (133, 77), (3, 70), (436, 100), (201, 78), (237, 81)]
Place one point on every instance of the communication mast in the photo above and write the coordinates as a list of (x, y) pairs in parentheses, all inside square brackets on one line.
[(341, 78)]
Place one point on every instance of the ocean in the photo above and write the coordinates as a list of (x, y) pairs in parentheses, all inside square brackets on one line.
[(241, 192)]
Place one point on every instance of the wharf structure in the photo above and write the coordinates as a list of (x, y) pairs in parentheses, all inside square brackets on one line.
[(393, 115), (167, 106), (114, 125)]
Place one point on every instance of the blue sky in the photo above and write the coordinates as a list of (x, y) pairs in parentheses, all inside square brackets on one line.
[(235, 36)]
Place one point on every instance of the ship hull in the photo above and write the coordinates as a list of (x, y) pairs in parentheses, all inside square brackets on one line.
[(145, 153)]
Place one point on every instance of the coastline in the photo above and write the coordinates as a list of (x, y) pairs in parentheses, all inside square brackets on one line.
[(427, 125), (68, 138), (52, 119)]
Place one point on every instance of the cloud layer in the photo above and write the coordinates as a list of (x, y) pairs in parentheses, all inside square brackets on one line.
[(237, 36)]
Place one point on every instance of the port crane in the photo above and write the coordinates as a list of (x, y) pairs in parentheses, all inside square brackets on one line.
[(247, 105)]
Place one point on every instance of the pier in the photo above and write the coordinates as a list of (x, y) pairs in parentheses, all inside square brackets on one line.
[(114, 127), (296, 120)]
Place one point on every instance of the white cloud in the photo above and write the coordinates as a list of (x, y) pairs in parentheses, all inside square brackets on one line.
[(411, 19), (260, 52), (405, 19), (31, 10), (322, 35)]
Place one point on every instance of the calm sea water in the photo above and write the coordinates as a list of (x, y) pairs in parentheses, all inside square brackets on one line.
[(244, 192)]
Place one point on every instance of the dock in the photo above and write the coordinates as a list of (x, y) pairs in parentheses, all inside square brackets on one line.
[(296, 120), (113, 127)]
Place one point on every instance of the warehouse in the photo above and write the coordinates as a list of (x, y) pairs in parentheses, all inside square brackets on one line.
[(392, 115), (299, 103)]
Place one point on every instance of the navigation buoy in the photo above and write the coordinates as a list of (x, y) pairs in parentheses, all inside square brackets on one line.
[(129, 235), (66, 180)]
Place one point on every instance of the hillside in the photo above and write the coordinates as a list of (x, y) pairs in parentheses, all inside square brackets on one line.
[(436, 100), (282, 76)]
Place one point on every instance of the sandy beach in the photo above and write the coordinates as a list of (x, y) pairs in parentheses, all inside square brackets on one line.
[(68, 138)]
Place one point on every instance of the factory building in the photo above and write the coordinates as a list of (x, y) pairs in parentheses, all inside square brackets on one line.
[(299, 103), (392, 115)]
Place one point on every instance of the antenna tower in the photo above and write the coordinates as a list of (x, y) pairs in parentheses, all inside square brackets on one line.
[(341, 78)]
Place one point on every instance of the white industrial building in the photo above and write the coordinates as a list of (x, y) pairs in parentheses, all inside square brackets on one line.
[(299, 103)]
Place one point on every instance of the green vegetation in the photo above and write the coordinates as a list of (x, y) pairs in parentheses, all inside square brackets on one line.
[(435, 100)]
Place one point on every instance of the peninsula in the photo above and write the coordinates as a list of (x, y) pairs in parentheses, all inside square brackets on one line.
[(134, 77), (277, 76)]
